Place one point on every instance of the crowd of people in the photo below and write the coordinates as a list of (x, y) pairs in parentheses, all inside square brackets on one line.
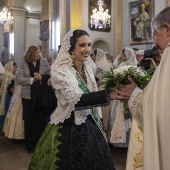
[(79, 129)]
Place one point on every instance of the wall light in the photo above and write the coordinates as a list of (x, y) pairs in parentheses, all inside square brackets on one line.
[(100, 18), (6, 17)]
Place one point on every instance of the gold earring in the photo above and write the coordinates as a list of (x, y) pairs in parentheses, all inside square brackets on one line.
[(73, 57)]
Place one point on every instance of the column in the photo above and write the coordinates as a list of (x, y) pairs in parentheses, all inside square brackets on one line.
[(19, 31), (45, 29)]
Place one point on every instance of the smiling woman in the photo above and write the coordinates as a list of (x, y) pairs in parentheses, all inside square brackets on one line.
[(75, 133)]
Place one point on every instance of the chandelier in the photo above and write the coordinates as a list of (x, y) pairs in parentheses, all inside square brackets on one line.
[(100, 18), (6, 17)]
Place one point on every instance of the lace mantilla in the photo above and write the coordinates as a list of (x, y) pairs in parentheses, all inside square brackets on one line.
[(101, 60), (131, 57), (63, 56)]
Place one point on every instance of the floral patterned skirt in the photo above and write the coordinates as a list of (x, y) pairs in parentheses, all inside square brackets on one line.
[(67, 146)]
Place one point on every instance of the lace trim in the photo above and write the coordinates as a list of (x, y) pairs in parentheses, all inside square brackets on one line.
[(132, 101), (118, 132), (67, 91), (68, 94), (91, 106), (120, 125), (81, 116)]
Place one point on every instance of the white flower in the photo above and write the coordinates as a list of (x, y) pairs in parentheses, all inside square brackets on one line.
[(128, 70)]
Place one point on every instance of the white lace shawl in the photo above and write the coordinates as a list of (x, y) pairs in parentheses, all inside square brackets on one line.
[(68, 93)]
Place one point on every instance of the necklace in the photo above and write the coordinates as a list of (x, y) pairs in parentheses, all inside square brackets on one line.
[(82, 74)]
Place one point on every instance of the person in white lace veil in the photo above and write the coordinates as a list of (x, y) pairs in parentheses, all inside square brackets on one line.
[(14, 124), (118, 127), (102, 64), (74, 138), (149, 139), (128, 57)]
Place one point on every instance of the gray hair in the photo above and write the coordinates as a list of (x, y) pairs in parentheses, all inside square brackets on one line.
[(162, 17)]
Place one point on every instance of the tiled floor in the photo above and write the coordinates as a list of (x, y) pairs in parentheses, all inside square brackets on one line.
[(13, 155)]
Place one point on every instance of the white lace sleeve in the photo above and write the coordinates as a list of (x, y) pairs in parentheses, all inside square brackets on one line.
[(67, 92), (133, 101)]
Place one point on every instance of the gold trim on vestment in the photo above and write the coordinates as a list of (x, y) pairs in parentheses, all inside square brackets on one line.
[(138, 158)]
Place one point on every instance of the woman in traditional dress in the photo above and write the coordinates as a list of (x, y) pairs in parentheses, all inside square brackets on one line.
[(14, 124), (118, 127), (6, 89), (101, 62), (74, 138)]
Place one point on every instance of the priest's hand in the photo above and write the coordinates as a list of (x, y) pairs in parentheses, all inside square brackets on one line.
[(123, 92)]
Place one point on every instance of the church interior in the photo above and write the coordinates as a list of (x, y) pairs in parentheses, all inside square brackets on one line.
[(45, 23)]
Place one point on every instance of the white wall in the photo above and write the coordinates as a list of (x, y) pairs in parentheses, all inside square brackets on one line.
[(158, 6)]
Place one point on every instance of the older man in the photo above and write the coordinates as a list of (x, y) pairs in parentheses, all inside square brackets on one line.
[(149, 147)]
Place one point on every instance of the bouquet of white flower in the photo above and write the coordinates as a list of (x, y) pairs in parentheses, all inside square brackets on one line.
[(113, 78)]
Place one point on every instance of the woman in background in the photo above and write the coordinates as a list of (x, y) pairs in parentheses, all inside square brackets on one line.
[(6, 89), (30, 77), (14, 124), (101, 62), (118, 127)]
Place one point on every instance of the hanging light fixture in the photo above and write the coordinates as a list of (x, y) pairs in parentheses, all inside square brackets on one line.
[(6, 17), (100, 18)]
